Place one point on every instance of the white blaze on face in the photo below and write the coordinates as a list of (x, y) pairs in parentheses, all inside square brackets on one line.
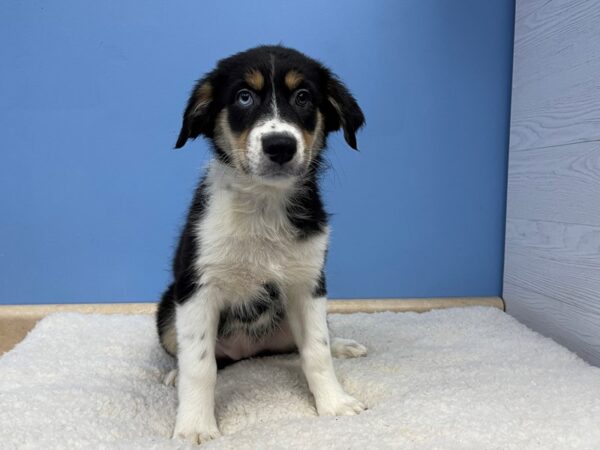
[(257, 157), (273, 91)]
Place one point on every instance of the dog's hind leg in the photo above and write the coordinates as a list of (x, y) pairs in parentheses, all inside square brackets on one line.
[(347, 348), (165, 321)]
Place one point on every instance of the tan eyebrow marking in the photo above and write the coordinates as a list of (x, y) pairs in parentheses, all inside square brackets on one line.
[(292, 79), (255, 79)]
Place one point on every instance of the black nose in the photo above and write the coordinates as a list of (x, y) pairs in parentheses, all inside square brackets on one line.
[(280, 148)]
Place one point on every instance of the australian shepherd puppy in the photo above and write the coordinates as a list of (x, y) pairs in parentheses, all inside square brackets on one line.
[(248, 271)]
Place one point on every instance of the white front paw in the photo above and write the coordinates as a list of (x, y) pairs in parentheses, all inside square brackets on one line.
[(340, 404), (196, 434)]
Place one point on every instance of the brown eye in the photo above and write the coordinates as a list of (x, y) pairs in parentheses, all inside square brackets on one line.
[(302, 97)]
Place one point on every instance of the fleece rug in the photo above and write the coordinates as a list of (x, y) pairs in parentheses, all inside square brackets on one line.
[(464, 378)]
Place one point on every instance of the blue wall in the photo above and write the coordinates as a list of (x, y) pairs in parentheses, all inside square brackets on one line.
[(91, 94)]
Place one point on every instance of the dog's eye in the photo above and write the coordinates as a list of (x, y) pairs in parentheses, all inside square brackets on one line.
[(302, 97), (245, 98)]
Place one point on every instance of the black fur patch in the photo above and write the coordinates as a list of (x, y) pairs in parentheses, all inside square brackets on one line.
[(321, 288), (306, 211), (256, 317), (185, 279)]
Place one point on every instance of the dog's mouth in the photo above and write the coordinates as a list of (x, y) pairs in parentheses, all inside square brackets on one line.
[(278, 173)]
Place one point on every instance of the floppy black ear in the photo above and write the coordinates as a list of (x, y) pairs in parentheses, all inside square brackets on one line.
[(342, 110), (197, 118)]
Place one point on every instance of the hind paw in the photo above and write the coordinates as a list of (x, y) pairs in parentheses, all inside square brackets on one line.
[(170, 379), (347, 348)]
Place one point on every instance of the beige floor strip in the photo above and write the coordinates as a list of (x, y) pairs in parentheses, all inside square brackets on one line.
[(17, 320)]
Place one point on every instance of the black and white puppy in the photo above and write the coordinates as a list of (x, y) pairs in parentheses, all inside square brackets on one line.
[(248, 270)]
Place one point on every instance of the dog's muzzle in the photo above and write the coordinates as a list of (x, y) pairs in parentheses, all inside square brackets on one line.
[(279, 147)]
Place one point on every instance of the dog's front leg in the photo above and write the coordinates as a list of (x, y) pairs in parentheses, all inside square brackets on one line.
[(308, 321), (197, 324)]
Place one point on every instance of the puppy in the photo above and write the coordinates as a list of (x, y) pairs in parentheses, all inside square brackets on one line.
[(248, 270)]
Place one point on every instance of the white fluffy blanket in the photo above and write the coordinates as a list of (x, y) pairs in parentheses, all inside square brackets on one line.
[(471, 378)]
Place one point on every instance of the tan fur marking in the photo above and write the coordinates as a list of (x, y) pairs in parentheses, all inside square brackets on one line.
[(169, 339), (241, 140), (292, 79), (233, 144), (313, 140), (203, 96), (255, 79), (309, 138)]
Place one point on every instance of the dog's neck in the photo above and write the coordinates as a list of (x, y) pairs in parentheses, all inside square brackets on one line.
[(251, 206), (255, 207), (226, 178)]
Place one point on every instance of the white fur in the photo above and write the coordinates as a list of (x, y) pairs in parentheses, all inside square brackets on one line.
[(197, 321), (245, 241), (308, 321), (340, 348), (273, 90), (257, 158), (347, 348)]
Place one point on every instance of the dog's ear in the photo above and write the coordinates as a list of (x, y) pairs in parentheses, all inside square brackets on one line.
[(197, 118), (342, 110)]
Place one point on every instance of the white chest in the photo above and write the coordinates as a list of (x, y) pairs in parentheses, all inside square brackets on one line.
[(246, 240)]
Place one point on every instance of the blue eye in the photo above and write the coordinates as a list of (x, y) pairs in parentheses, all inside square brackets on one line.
[(245, 98)]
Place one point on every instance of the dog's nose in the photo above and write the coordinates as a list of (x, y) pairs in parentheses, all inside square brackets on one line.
[(279, 147)]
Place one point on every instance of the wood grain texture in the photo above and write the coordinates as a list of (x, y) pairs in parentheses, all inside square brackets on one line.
[(555, 183), (558, 260), (17, 320), (555, 82), (554, 319), (552, 258)]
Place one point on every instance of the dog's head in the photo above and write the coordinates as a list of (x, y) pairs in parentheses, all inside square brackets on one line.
[(268, 111)]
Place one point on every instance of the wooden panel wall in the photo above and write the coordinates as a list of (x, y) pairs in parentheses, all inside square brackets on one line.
[(552, 262)]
